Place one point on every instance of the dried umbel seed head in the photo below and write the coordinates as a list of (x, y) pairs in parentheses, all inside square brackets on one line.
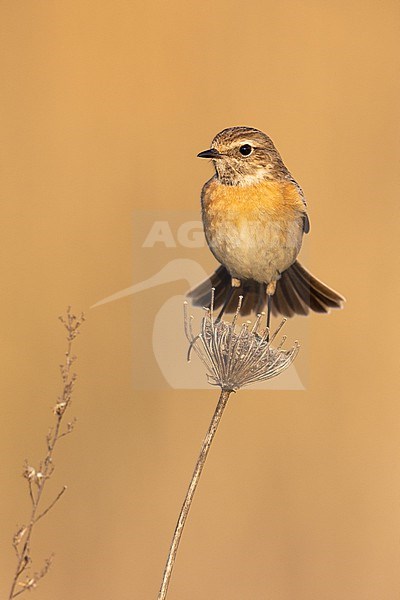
[(238, 356)]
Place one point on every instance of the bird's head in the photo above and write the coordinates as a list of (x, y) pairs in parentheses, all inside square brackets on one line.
[(244, 156)]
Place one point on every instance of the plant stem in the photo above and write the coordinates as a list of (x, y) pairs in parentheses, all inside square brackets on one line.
[(46, 468), (222, 402)]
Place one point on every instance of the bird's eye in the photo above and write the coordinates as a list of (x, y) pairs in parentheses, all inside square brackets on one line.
[(245, 150)]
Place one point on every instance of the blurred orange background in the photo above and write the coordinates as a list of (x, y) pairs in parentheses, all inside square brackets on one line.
[(104, 108)]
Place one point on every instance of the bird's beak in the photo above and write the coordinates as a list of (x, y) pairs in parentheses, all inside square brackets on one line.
[(211, 153)]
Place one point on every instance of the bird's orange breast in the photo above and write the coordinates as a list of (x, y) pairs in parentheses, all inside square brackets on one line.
[(255, 231), (271, 200)]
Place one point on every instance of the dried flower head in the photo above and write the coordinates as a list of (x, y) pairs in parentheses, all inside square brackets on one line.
[(238, 356), (17, 538)]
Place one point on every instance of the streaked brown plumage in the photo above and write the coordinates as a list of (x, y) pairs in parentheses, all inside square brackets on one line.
[(254, 215)]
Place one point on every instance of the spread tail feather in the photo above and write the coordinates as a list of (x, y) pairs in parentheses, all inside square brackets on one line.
[(297, 292)]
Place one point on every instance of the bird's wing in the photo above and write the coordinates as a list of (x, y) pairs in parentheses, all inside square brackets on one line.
[(306, 223), (306, 220)]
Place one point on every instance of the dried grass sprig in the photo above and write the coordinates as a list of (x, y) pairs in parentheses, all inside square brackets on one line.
[(23, 579), (234, 357)]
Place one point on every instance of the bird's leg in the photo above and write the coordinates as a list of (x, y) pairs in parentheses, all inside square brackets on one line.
[(269, 301), (271, 287), (235, 283)]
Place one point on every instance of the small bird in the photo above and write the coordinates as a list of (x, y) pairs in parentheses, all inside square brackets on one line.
[(254, 216)]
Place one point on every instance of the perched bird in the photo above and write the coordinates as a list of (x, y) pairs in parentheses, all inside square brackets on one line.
[(254, 215)]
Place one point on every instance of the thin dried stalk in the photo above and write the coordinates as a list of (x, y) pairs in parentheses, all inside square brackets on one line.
[(222, 402), (37, 478)]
